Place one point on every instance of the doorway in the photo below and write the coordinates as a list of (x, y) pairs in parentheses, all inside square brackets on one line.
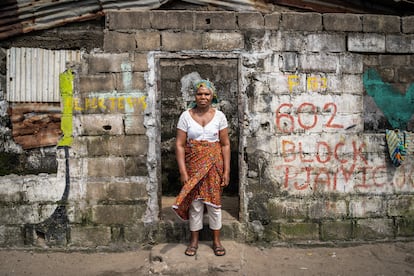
[(176, 76)]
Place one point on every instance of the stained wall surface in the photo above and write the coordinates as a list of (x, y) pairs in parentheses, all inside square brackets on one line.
[(315, 94)]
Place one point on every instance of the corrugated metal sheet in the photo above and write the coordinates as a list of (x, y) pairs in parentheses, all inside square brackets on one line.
[(33, 73), (23, 16)]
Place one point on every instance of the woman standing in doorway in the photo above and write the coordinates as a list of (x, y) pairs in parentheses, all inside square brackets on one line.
[(203, 157)]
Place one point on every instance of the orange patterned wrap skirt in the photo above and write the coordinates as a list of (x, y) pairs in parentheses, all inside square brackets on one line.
[(204, 162)]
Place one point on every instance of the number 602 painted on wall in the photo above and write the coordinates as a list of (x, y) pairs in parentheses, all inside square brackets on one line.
[(289, 126)]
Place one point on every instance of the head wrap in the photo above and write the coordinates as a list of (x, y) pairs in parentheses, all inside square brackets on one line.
[(208, 84)]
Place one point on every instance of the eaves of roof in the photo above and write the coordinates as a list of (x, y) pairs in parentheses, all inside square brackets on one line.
[(24, 16)]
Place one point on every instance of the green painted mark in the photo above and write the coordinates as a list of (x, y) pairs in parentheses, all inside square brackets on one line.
[(398, 108), (66, 92)]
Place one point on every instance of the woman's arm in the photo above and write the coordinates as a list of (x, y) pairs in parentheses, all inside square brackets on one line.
[(180, 143), (225, 149)]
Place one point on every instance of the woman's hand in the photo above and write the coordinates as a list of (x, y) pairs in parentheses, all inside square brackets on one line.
[(226, 180), (184, 178)]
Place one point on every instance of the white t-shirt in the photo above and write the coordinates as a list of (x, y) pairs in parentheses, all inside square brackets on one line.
[(209, 132)]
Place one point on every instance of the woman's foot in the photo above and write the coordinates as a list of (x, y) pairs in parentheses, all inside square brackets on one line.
[(219, 250), (191, 250)]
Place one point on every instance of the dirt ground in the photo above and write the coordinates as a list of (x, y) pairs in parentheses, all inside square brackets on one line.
[(168, 259)]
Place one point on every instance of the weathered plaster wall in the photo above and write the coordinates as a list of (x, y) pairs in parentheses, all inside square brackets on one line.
[(313, 161)]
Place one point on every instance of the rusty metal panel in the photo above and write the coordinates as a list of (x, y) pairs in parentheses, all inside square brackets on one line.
[(131, 4), (23, 16), (33, 73)]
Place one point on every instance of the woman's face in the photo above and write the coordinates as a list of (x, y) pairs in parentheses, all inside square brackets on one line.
[(203, 97)]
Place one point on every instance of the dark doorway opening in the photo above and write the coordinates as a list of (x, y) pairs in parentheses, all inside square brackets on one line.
[(176, 93)]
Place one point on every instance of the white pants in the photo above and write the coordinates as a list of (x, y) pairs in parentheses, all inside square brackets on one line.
[(197, 213)]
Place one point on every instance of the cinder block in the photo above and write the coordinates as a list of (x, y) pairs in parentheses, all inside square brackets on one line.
[(373, 23), (318, 63), (371, 60), (287, 209), (117, 145), (119, 42), (90, 236), (395, 61), (134, 124), (140, 63), (182, 20), (106, 63), (19, 214), (96, 83), (272, 21), (136, 233), (147, 41), (118, 189), (351, 63), (301, 21), (401, 206), (342, 22), (288, 42), (181, 41), (399, 44), (215, 21), (289, 62), (255, 40), (96, 124), (106, 167), (136, 166), (222, 41), (128, 20), (408, 24), (128, 81), (132, 145), (374, 229), (325, 43), (250, 20), (11, 236), (405, 227), (328, 209), (406, 74), (75, 213), (352, 84), (336, 230), (365, 207), (299, 231), (118, 214), (358, 42)]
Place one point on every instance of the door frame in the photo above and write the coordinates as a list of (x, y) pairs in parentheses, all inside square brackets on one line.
[(153, 125)]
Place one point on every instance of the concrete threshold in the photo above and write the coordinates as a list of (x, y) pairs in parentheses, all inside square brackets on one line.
[(177, 230)]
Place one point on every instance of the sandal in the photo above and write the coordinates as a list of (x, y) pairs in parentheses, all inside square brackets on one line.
[(219, 250), (191, 251)]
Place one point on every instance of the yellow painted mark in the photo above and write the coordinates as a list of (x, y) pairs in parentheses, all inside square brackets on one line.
[(66, 92), (292, 82)]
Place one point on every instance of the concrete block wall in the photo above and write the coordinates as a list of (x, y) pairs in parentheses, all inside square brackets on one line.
[(314, 165), (111, 144)]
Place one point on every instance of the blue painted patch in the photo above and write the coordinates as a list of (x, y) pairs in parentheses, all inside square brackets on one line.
[(397, 107)]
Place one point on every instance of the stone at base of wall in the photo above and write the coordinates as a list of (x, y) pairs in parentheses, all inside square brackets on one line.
[(141, 235)]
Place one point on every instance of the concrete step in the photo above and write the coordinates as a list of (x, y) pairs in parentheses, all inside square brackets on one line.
[(176, 230), (169, 259)]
